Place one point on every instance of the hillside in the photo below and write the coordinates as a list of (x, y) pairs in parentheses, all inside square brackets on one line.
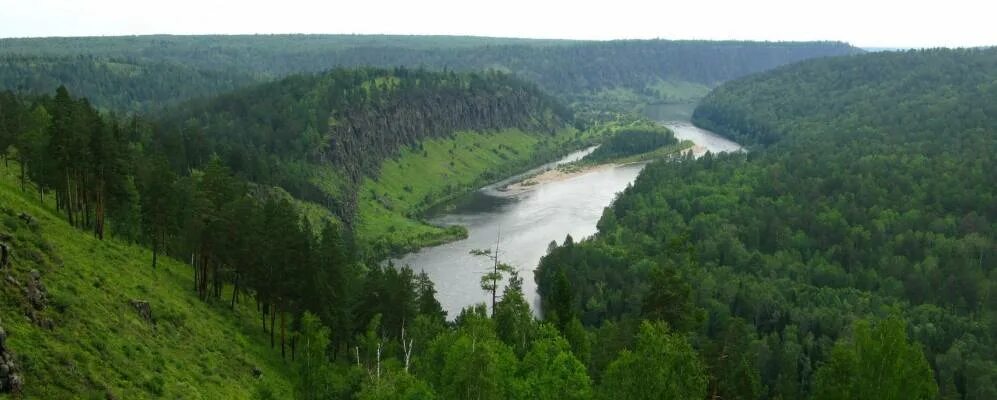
[(868, 194), (330, 138), (117, 84), (76, 333), (97, 317), (612, 73)]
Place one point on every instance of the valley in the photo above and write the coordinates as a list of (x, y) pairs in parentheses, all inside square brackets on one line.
[(526, 220), (367, 217)]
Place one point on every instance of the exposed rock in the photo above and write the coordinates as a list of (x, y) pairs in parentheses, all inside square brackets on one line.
[(37, 298), (144, 309), (27, 218), (6, 253), (10, 379), (35, 291)]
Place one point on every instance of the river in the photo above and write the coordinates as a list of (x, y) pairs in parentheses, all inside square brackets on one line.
[(527, 221)]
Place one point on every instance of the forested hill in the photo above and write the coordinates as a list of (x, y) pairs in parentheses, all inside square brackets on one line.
[(568, 68), (635, 64), (350, 119), (927, 91), (323, 137), (869, 195), (354, 118), (117, 84)]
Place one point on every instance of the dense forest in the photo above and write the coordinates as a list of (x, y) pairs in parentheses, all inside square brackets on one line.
[(849, 253), (862, 217), (117, 84), (345, 328), (353, 119), (314, 137), (577, 70), (320, 136), (632, 139)]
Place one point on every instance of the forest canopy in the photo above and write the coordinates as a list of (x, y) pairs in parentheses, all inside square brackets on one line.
[(201, 66), (868, 192)]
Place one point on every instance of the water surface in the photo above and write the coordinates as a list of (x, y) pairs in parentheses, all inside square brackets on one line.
[(525, 223)]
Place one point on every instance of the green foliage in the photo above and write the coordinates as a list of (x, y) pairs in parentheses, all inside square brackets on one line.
[(396, 385), (632, 140), (514, 323), (428, 305), (669, 299), (561, 309), (88, 340), (578, 337), (324, 140), (148, 72), (877, 362), (678, 91), (279, 119), (120, 83), (550, 371), (313, 365), (868, 189), (438, 170), (662, 366), (472, 364)]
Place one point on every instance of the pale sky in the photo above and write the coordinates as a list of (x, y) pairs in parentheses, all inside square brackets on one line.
[(864, 23)]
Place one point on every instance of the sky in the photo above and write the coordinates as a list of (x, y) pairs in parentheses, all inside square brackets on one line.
[(864, 23)]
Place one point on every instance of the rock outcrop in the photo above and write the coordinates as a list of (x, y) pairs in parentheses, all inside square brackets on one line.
[(10, 377), (143, 309)]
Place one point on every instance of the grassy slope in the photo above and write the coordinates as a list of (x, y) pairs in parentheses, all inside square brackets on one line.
[(679, 91), (99, 344), (662, 93), (442, 170)]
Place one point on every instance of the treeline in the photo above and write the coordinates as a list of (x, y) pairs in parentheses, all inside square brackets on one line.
[(349, 120), (637, 138), (116, 84), (109, 177), (868, 195), (349, 330), (207, 65), (65, 147)]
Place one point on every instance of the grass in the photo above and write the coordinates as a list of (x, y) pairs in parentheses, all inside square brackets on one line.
[(656, 154), (678, 91), (99, 346), (440, 170), (596, 104), (316, 214), (659, 153)]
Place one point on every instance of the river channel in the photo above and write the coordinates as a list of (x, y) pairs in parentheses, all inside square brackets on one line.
[(525, 222)]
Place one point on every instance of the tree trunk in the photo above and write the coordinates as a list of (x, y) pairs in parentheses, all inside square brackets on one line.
[(263, 312), (68, 201), (273, 319), (155, 249), (282, 351), (235, 288), (99, 219)]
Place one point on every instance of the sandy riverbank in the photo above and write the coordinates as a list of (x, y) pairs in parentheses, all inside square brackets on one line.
[(570, 171)]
